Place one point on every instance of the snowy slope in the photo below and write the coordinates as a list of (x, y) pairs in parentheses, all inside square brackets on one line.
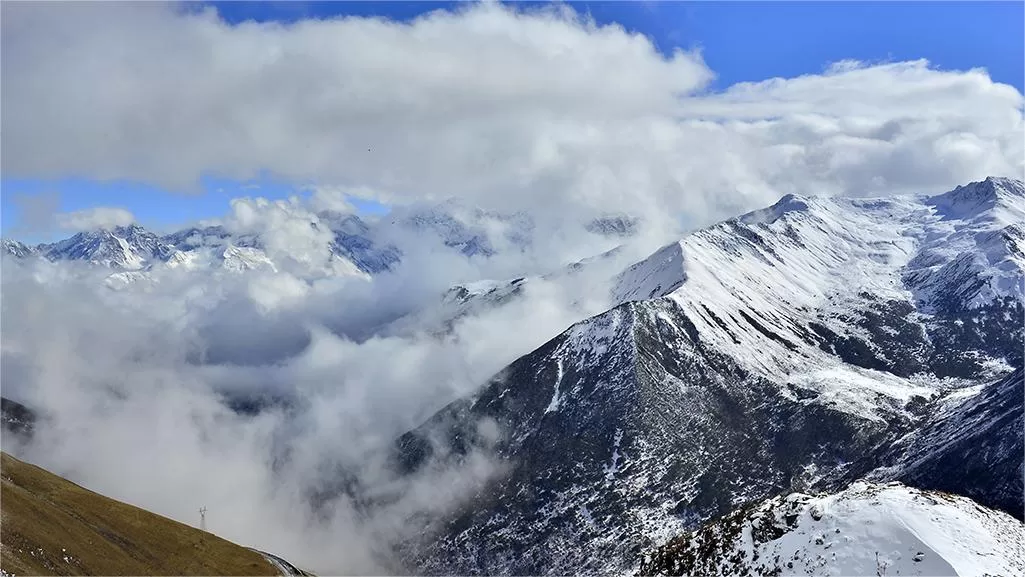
[(470, 230), (122, 247), (758, 286), (972, 443), (472, 298), (866, 529), (782, 350), (16, 249)]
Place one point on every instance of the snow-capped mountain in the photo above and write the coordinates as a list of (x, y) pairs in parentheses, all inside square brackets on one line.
[(944, 268), (972, 444), (614, 225), (471, 298), (791, 348), (354, 239), (132, 251), (16, 249), (122, 248), (470, 230), (866, 529), (370, 247)]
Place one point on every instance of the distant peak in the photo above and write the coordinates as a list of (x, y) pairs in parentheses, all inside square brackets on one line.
[(620, 225), (792, 202), (983, 193), (789, 203), (1004, 184)]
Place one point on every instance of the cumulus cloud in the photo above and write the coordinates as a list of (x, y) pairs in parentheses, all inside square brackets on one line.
[(94, 218), (504, 106)]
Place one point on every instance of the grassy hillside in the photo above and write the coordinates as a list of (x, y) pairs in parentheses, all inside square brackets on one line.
[(51, 526)]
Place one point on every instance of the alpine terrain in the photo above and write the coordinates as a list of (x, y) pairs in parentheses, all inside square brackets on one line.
[(798, 348), (53, 527), (866, 529), (757, 394)]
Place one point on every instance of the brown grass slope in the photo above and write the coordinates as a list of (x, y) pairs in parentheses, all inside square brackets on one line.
[(51, 526)]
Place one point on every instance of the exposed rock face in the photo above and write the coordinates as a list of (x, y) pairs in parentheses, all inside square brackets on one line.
[(912, 532), (795, 348), (972, 445)]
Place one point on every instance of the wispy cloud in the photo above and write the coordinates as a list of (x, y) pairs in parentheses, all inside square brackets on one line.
[(94, 218)]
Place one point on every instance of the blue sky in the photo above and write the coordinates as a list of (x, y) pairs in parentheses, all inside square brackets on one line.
[(740, 41)]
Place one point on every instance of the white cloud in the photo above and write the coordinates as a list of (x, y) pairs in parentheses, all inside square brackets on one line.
[(133, 383), (94, 218), (502, 106)]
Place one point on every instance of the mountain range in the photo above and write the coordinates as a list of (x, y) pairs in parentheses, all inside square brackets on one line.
[(357, 246), (820, 354), (801, 347)]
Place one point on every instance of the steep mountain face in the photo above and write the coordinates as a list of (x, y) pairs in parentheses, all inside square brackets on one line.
[(793, 348), (16, 249), (972, 445), (615, 226), (470, 230), (122, 247), (354, 240), (622, 431), (866, 529), (16, 420)]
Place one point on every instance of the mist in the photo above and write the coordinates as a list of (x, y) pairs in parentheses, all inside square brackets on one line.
[(261, 394)]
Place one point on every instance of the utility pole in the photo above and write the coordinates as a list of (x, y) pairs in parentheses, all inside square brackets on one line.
[(202, 518)]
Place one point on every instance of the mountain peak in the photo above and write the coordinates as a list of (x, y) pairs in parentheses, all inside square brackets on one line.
[(124, 247), (974, 198), (1012, 186), (615, 225), (990, 189), (788, 204)]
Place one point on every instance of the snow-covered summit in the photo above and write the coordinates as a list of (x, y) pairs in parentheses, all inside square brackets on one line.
[(471, 230), (1005, 195), (788, 203), (757, 285), (123, 247), (16, 249), (867, 529)]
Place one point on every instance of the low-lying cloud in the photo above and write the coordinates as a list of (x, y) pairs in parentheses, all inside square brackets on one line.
[(202, 387)]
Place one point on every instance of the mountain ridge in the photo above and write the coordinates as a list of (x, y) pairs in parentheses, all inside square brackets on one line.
[(746, 360), (864, 529), (52, 526)]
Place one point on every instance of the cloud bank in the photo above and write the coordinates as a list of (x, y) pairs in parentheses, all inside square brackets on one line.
[(257, 394), (506, 107)]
